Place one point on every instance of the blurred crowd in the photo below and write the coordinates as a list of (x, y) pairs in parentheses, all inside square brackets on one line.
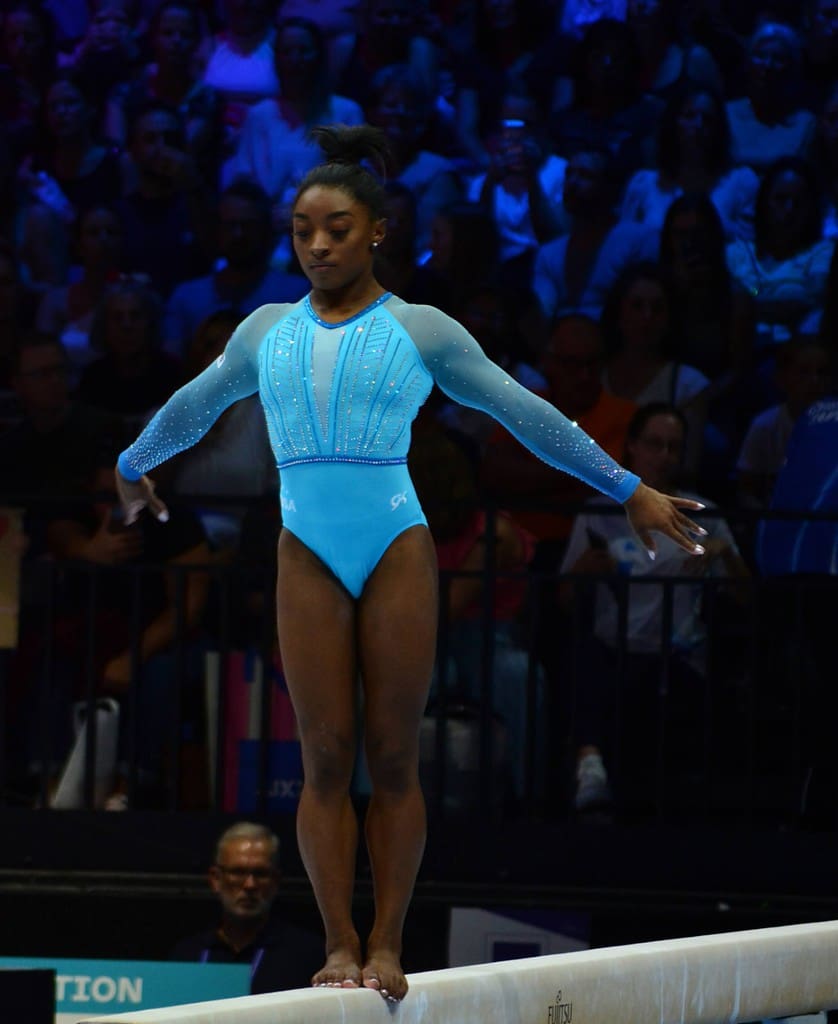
[(631, 204)]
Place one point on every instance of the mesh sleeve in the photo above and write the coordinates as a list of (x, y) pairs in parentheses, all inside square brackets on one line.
[(462, 370), (193, 409)]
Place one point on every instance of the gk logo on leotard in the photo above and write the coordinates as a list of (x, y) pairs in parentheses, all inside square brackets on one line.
[(559, 1012), (398, 499), (287, 504)]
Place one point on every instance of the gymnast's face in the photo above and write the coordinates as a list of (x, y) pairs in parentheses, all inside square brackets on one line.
[(334, 237)]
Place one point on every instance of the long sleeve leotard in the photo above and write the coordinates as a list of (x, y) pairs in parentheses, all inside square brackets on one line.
[(339, 400)]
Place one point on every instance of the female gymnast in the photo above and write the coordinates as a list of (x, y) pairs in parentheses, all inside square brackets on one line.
[(341, 375)]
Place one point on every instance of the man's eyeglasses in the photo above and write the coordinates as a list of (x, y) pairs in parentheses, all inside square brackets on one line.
[(241, 875)]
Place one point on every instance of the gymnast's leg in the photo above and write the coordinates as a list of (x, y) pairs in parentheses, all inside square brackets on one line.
[(397, 620), (316, 624)]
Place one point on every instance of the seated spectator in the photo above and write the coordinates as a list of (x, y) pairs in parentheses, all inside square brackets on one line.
[(387, 32), (240, 62), (574, 272), (488, 60), (608, 109), (47, 453), (166, 210), (522, 187), (167, 610), (67, 311), (243, 278), (402, 106), (274, 148), (713, 319), (463, 253), (337, 20), (667, 64), (572, 365), (643, 361), (444, 476), (50, 451), (768, 123), (108, 53), (245, 876), (27, 65), (70, 169), (132, 377), (234, 458), (601, 546), (87, 168), (713, 322), (786, 266), (395, 258), (805, 374), (172, 78), (694, 156), (107, 56)]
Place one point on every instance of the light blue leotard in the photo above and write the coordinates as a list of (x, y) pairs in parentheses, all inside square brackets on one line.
[(339, 400)]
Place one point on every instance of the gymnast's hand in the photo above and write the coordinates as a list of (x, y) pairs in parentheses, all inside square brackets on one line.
[(648, 509), (135, 495)]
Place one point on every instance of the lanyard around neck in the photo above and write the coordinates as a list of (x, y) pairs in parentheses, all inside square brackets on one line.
[(255, 961)]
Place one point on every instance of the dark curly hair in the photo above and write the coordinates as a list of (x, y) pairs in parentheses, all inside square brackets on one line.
[(718, 152), (645, 270), (347, 149), (810, 224)]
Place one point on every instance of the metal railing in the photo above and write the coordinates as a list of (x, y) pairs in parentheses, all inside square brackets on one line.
[(756, 722)]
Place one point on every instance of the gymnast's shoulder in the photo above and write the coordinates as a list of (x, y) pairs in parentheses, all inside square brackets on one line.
[(252, 330), (422, 319)]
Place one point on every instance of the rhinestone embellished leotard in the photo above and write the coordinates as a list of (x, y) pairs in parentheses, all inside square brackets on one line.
[(339, 400)]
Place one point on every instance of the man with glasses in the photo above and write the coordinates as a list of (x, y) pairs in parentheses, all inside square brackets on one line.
[(245, 877)]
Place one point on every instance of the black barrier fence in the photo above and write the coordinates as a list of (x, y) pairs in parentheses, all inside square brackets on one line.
[(735, 723)]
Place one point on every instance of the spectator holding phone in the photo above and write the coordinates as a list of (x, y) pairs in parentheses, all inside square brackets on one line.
[(166, 212), (523, 185)]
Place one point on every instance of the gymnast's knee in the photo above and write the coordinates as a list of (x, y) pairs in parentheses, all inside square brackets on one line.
[(328, 763), (393, 768)]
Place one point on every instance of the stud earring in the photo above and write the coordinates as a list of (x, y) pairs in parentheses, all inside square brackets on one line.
[(375, 245)]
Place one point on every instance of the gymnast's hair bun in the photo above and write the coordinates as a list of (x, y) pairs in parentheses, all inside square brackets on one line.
[(353, 144)]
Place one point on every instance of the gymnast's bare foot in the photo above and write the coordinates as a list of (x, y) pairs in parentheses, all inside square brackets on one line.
[(342, 968), (383, 971)]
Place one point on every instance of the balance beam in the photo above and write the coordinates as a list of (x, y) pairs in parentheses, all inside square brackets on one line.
[(738, 976)]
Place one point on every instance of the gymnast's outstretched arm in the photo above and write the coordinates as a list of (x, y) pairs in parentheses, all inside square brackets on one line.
[(192, 410), (464, 372)]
